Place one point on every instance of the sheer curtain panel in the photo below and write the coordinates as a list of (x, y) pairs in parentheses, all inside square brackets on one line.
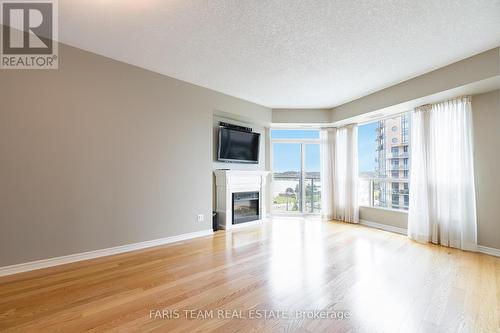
[(442, 192), (339, 173)]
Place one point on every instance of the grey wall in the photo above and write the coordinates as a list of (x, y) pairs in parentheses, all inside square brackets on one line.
[(486, 117), (100, 153), (302, 116), (388, 217)]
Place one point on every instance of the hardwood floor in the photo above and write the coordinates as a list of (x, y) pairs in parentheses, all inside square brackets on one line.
[(381, 281)]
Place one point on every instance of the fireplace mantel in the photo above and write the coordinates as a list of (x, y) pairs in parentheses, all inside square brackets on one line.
[(232, 181)]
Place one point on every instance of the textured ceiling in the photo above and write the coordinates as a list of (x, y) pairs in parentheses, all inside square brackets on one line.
[(287, 53)]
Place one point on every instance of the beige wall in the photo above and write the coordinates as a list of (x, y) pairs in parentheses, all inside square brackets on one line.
[(486, 117), (100, 153)]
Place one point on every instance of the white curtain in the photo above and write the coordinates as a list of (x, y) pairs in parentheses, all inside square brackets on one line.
[(442, 193), (339, 173), (327, 154)]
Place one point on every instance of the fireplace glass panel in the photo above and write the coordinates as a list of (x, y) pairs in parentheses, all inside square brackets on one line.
[(245, 207)]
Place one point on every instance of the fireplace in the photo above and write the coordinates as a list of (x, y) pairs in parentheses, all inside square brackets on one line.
[(237, 184), (245, 207)]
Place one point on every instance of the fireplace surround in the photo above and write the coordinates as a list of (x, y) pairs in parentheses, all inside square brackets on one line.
[(245, 191)]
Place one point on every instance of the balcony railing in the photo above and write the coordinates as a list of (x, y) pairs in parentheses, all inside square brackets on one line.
[(378, 192), (398, 155), (397, 167), (287, 194)]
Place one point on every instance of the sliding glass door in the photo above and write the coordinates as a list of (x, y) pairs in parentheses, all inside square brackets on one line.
[(287, 177), (296, 186)]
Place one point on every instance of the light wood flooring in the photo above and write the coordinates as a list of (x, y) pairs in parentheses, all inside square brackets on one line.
[(291, 267)]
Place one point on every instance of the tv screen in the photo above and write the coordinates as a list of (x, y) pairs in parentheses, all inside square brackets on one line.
[(238, 146)]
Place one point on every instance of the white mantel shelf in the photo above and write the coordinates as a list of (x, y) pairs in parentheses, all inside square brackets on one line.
[(232, 181)]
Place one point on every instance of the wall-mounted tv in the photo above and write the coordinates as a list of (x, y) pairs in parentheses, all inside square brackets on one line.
[(238, 146)]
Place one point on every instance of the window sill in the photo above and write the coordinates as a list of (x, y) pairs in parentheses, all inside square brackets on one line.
[(388, 209)]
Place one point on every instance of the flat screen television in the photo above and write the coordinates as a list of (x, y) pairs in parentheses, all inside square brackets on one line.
[(238, 146)]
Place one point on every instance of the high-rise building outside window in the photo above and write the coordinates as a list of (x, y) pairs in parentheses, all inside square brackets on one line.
[(384, 162)]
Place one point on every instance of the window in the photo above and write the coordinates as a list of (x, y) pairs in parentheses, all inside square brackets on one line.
[(296, 185), (384, 167)]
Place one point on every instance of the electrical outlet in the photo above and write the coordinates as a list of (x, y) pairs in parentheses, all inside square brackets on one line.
[(201, 217)]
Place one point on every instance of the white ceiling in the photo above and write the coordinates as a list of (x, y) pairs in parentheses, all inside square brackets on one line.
[(284, 53)]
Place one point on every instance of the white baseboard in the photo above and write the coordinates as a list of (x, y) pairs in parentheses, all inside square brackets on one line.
[(488, 250), (44, 263), (482, 249), (385, 227)]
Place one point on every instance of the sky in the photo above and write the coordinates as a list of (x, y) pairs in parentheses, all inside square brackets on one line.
[(287, 155), (294, 134), (367, 147)]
